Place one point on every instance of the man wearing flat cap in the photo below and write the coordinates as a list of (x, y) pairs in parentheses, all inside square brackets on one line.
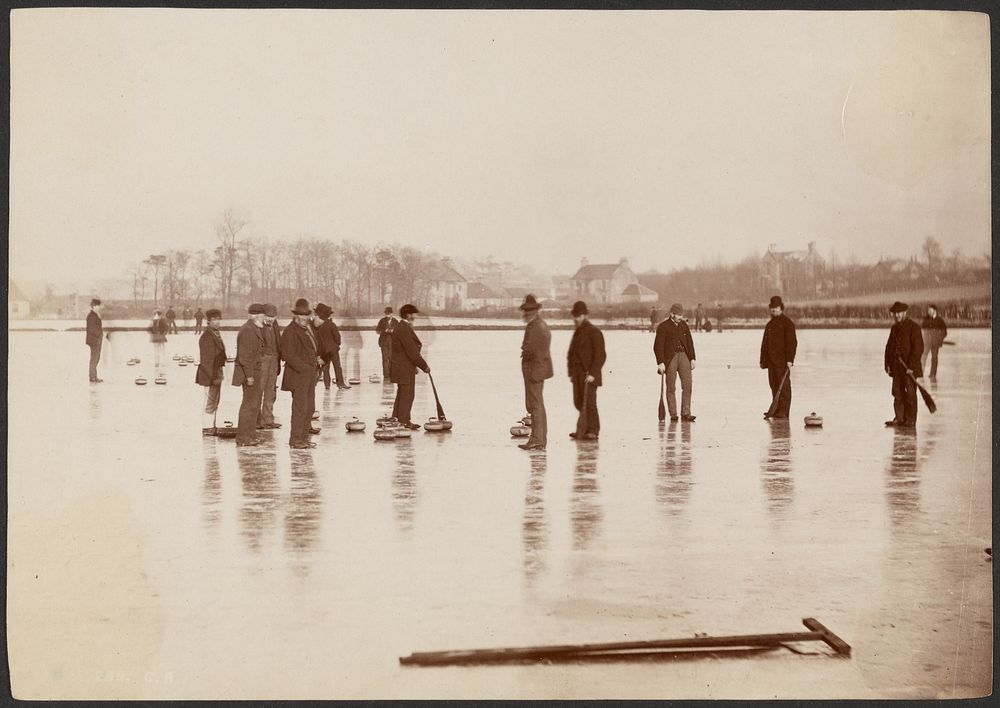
[(536, 366), (211, 363), (777, 355), (406, 359), (269, 369), (903, 351), (674, 350), (585, 359), (300, 353), (247, 373)]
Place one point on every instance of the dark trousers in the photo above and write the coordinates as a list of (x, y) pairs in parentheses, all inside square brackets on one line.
[(904, 398), (95, 356), (585, 400), (774, 375), (404, 402), (269, 380), (250, 409), (386, 359), (932, 352), (303, 400), (197, 326), (534, 401), (172, 326), (338, 370)]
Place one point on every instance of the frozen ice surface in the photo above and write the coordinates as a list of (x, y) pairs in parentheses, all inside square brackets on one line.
[(147, 562)]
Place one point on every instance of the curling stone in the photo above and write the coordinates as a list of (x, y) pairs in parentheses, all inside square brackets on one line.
[(385, 433), (520, 430), (354, 382), (230, 359), (526, 420), (316, 415), (386, 420), (355, 426), (131, 362), (435, 425), (182, 363), (814, 421), (227, 431), (161, 380), (403, 432), (177, 357), (140, 381), (374, 378)]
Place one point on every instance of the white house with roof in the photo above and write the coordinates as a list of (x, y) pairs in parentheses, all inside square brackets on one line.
[(446, 288), (18, 305), (609, 284)]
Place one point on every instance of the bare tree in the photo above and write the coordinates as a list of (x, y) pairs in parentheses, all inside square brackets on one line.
[(227, 231), (932, 251)]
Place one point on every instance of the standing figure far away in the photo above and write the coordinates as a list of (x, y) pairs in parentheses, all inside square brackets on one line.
[(270, 368), (384, 329), (328, 338), (585, 358), (158, 336), (536, 366), (903, 351), (247, 373), (95, 337), (406, 359), (301, 356), (198, 317), (212, 361), (777, 355), (934, 332), (674, 350)]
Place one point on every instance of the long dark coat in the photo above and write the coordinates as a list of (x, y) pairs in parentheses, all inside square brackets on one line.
[(299, 355), (667, 335), (778, 345), (536, 356), (249, 345), (95, 328), (906, 343), (586, 352), (328, 339), (213, 358), (406, 358)]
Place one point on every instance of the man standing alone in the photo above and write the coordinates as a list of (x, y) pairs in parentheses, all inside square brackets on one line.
[(247, 373), (269, 369), (585, 358), (536, 366), (302, 361), (210, 367), (934, 330), (406, 359), (171, 318), (198, 317), (674, 350), (777, 355), (384, 329), (95, 337), (902, 362), (699, 317)]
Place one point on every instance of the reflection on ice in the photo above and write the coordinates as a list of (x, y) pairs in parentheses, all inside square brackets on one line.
[(673, 474), (776, 469), (404, 486), (302, 514), (534, 529), (211, 487), (902, 487), (585, 507), (260, 494)]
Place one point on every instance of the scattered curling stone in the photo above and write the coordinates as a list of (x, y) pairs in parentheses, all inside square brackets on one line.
[(160, 379), (386, 419), (383, 433), (140, 381), (403, 432), (814, 421), (177, 357), (132, 362), (354, 382), (374, 378), (520, 430), (526, 420), (316, 415), (230, 359), (182, 362), (227, 431), (435, 425), (355, 426)]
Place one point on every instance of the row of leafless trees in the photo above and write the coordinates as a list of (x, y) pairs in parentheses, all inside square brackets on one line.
[(352, 277)]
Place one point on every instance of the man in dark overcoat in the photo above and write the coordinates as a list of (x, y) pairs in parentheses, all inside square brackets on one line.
[(674, 350), (934, 330), (536, 366), (902, 362), (247, 373), (300, 352), (210, 366), (95, 338), (384, 329), (777, 355), (584, 360), (406, 359), (328, 338)]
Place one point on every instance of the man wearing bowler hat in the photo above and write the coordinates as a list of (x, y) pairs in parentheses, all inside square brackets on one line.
[(328, 338), (903, 351), (406, 359), (210, 369), (95, 334), (585, 358), (300, 353), (777, 355), (384, 329), (270, 367), (536, 366), (247, 373), (674, 350)]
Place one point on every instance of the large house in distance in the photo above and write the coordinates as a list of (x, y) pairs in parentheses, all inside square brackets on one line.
[(797, 272), (447, 289), (609, 284), (18, 305)]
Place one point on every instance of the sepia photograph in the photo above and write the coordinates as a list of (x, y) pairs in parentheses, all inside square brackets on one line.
[(489, 354)]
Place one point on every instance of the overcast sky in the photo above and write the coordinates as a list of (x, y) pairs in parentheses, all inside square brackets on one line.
[(539, 137)]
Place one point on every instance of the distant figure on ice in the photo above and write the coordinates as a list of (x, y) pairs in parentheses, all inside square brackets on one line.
[(585, 358), (95, 337), (212, 361), (903, 351), (198, 317), (674, 350), (302, 361), (384, 329), (328, 340), (654, 317), (777, 355), (158, 336), (536, 366), (171, 317), (187, 316), (699, 317), (718, 317), (406, 359), (247, 373), (270, 368), (934, 331)]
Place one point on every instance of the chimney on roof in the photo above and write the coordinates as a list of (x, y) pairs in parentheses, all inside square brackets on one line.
[(772, 247), (623, 261), (584, 262), (812, 247)]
